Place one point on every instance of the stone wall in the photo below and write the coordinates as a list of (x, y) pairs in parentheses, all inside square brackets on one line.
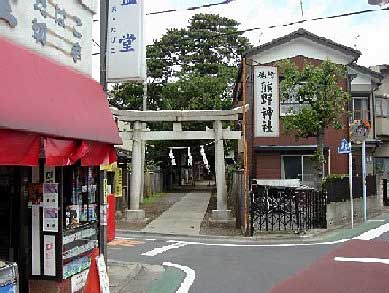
[(338, 213)]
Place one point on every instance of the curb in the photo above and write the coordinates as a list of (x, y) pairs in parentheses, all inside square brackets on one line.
[(274, 238)]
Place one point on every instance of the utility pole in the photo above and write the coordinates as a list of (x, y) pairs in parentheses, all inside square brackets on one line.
[(301, 8), (245, 160), (364, 180), (143, 142), (350, 181), (103, 42), (104, 4)]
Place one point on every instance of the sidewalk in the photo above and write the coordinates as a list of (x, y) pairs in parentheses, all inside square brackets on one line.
[(184, 217), (143, 278)]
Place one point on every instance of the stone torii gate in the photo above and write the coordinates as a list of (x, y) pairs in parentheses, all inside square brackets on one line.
[(135, 132)]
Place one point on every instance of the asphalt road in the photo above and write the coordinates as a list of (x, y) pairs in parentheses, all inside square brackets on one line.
[(251, 266)]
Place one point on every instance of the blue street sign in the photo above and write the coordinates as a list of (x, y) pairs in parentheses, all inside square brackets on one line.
[(344, 147)]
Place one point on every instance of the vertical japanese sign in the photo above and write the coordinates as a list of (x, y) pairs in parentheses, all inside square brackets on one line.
[(266, 102), (50, 207), (118, 182), (49, 255), (126, 51)]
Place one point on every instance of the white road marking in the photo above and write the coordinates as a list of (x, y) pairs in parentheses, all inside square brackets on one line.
[(257, 245), (124, 238), (363, 260), (376, 220), (374, 233), (189, 279), (159, 250), (150, 239)]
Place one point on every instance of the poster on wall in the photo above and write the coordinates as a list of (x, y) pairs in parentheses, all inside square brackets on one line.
[(35, 193), (103, 215), (50, 207), (49, 174), (49, 255), (126, 57), (266, 102)]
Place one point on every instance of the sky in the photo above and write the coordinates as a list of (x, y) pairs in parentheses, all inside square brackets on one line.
[(368, 32)]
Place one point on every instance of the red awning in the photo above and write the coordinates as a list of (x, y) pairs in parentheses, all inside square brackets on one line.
[(40, 96), (99, 154), (19, 148), (64, 152)]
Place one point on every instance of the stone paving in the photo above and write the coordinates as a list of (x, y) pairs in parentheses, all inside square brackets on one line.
[(184, 217)]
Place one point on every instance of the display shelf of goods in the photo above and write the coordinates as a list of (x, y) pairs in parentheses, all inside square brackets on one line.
[(78, 244)]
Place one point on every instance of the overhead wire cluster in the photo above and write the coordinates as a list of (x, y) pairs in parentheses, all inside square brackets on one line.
[(192, 8), (239, 32), (176, 10)]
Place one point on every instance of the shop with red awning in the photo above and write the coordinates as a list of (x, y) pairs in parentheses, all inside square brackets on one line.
[(39, 96), (56, 129)]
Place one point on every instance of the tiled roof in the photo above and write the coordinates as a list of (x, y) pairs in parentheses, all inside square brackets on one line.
[(366, 70), (306, 34)]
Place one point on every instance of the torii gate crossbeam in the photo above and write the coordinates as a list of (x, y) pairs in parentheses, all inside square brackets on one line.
[(138, 134)]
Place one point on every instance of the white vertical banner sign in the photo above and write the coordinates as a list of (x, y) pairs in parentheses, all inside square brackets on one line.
[(49, 255), (35, 241), (266, 102), (126, 49)]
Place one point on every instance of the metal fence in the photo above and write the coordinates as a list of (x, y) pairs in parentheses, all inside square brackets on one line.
[(287, 209)]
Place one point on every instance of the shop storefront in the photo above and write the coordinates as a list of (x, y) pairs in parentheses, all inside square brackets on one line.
[(56, 130)]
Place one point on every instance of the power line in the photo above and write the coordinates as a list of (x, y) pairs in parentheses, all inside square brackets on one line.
[(187, 9), (192, 8), (97, 44), (347, 14), (304, 20)]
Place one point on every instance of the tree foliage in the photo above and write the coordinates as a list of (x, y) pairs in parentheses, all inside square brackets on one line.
[(318, 90), (189, 68), (192, 68)]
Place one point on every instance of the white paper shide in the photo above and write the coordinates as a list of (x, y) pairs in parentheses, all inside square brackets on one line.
[(266, 102)]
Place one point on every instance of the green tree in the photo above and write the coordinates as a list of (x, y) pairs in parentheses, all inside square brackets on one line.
[(198, 60), (318, 90), (193, 68)]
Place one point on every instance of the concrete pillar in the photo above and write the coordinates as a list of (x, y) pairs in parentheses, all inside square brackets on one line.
[(221, 214), (134, 214), (142, 185)]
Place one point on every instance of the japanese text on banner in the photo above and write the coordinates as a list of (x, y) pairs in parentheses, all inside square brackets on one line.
[(266, 102)]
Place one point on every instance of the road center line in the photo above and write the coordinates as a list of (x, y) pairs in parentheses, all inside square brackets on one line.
[(257, 245), (189, 279), (363, 260), (159, 250), (374, 233)]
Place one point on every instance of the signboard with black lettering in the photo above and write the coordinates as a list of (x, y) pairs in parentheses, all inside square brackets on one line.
[(60, 29), (266, 102), (126, 57)]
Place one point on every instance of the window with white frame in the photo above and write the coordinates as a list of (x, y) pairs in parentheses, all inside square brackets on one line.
[(381, 106), (360, 108), (292, 105), (298, 167)]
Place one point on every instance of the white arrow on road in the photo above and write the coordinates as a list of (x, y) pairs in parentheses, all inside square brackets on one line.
[(374, 233), (189, 279), (162, 249), (363, 260)]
